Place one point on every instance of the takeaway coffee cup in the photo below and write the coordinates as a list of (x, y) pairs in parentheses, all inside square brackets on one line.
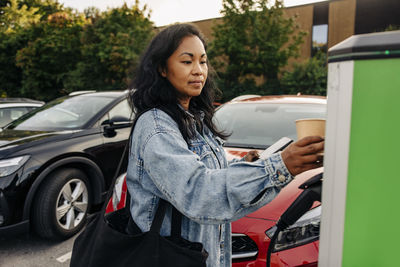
[(310, 127)]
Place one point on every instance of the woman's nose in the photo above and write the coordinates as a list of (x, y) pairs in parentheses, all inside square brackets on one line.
[(197, 69)]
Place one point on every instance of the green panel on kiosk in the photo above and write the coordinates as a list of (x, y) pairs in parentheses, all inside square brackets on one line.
[(371, 227), (372, 230)]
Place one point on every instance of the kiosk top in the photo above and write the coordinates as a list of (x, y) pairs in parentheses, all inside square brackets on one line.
[(367, 46)]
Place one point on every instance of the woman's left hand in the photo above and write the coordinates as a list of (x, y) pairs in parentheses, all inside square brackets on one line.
[(252, 155)]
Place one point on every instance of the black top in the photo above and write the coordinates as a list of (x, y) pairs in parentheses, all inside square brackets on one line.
[(367, 46)]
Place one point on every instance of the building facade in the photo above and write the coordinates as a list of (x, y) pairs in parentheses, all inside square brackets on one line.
[(330, 22)]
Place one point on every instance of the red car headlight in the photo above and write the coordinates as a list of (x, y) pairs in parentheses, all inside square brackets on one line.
[(304, 230)]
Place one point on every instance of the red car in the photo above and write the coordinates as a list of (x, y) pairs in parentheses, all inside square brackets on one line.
[(256, 122)]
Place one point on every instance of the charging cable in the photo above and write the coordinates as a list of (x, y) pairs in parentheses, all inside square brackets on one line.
[(312, 190)]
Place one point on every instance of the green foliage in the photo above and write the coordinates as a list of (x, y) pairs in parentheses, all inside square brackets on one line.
[(17, 30), (45, 7), (307, 78), (392, 28), (10, 74), (63, 50), (15, 15), (251, 45), (111, 46), (52, 52)]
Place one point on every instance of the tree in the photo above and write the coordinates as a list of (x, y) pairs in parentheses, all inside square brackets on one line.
[(52, 52), (309, 77), (111, 47), (251, 45), (15, 15), (64, 50), (10, 74)]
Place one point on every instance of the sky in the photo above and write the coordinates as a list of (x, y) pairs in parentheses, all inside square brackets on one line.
[(166, 12)]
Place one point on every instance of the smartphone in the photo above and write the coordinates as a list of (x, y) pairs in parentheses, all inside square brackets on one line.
[(275, 147)]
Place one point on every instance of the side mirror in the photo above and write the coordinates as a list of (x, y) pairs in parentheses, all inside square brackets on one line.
[(116, 122)]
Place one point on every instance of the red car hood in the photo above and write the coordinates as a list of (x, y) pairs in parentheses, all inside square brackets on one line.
[(274, 209)]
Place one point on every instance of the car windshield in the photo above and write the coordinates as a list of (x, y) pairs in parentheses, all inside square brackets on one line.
[(62, 114), (259, 125)]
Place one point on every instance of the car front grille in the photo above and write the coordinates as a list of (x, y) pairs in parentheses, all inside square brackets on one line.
[(243, 247)]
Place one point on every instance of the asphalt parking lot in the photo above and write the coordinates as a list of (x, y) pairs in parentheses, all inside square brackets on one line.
[(32, 251)]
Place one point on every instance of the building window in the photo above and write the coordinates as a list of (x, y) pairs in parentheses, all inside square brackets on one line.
[(376, 16), (319, 39)]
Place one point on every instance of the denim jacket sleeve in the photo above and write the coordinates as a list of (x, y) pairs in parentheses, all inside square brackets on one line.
[(207, 195), (236, 160)]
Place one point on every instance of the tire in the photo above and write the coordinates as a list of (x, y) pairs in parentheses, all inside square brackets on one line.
[(62, 204)]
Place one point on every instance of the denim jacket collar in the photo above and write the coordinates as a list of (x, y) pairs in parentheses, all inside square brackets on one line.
[(201, 113)]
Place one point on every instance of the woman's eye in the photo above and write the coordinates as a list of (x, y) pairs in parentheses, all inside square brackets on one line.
[(186, 62), (203, 62)]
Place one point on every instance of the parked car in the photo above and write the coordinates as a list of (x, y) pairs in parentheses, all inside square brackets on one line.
[(13, 108), (57, 161), (256, 122)]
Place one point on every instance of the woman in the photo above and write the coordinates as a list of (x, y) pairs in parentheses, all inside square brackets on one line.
[(176, 151)]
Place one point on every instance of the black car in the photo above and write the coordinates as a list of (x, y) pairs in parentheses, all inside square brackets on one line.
[(56, 162)]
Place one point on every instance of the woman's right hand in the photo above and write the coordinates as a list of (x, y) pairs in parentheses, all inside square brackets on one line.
[(302, 155)]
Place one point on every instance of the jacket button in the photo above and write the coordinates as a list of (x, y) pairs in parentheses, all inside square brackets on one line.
[(281, 178)]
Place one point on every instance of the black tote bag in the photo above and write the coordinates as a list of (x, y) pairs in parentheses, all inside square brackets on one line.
[(102, 244), (114, 240)]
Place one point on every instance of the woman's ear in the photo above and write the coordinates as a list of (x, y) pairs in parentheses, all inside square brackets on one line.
[(162, 71)]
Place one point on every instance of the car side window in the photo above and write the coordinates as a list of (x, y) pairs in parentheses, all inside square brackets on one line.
[(123, 109)]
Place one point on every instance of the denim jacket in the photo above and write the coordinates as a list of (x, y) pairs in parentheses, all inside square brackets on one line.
[(197, 179)]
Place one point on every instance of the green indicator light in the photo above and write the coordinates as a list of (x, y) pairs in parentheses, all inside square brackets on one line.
[(387, 52)]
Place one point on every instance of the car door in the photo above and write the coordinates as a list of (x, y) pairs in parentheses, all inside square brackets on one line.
[(116, 138)]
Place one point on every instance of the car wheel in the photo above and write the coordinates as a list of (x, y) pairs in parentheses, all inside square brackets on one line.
[(62, 204)]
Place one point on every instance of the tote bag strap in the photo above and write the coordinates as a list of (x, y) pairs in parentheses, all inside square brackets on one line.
[(122, 161), (159, 217), (176, 223)]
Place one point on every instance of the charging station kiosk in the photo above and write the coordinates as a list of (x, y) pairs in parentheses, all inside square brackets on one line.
[(361, 187)]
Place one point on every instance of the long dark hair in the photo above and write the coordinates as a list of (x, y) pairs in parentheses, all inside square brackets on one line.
[(150, 90)]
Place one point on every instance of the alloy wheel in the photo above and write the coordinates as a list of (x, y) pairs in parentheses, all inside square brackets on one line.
[(72, 204)]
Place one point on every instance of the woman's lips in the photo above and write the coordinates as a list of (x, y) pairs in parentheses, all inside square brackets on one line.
[(196, 83)]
